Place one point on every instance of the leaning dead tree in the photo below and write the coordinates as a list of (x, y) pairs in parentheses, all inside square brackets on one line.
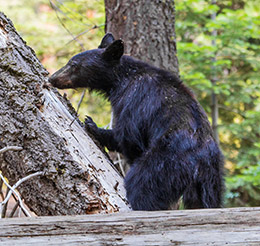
[(76, 176)]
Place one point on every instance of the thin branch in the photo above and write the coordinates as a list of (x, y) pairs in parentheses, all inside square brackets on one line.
[(233, 111), (111, 120), (74, 13), (80, 101), (82, 33), (3, 213), (214, 98), (2, 204), (120, 162), (10, 148), (55, 9), (12, 190), (15, 207), (1, 189), (74, 38)]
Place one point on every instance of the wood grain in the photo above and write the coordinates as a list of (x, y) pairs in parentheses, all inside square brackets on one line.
[(236, 226)]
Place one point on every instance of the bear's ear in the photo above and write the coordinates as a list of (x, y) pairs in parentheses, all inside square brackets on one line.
[(114, 51), (106, 40)]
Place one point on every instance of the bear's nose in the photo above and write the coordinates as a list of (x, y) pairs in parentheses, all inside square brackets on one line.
[(53, 80)]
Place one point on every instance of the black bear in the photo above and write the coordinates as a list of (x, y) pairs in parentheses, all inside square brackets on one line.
[(159, 127)]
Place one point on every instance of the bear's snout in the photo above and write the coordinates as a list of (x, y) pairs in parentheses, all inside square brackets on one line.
[(61, 78)]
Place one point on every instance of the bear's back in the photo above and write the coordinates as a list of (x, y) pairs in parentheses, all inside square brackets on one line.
[(151, 103)]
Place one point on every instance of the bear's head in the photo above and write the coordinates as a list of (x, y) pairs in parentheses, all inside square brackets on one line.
[(91, 69)]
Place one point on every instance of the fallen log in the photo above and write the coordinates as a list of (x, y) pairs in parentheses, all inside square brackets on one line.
[(233, 226)]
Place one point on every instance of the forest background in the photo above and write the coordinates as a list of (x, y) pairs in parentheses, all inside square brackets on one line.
[(57, 30)]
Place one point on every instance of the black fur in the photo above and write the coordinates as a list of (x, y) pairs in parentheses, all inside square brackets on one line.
[(159, 127)]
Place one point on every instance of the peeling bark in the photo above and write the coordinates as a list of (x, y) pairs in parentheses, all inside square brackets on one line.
[(79, 178)]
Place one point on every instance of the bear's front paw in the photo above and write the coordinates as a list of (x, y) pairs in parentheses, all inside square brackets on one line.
[(90, 126)]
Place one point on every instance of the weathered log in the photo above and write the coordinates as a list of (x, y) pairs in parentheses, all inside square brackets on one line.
[(236, 226), (79, 178)]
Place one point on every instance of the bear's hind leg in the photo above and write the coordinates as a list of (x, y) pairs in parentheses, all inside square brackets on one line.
[(151, 188), (192, 197), (206, 194)]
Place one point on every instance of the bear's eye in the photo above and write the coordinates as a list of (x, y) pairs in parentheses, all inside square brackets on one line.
[(73, 64)]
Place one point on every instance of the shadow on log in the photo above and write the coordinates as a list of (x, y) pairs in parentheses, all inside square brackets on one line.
[(79, 178)]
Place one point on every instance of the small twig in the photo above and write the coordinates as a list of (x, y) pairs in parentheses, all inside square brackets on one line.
[(12, 190), (111, 120), (120, 164), (15, 207), (74, 38), (10, 148), (233, 111), (80, 101), (56, 8), (82, 33), (19, 204), (1, 189), (2, 204), (64, 26), (73, 12), (5, 205)]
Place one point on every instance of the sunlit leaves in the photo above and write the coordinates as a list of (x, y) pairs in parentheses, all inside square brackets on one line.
[(234, 63)]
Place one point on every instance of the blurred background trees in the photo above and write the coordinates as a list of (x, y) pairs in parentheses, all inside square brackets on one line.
[(235, 59), (58, 29)]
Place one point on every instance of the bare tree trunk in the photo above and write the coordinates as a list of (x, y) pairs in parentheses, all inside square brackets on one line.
[(147, 27), (79, 177)]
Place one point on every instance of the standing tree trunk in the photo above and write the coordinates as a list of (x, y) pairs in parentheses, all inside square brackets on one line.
[(78, 177), (147, 27)]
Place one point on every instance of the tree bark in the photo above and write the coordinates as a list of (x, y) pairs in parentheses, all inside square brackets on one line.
[(147, 27), (233, 226), (79, 177)]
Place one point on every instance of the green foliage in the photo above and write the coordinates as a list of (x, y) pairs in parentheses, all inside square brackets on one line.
[(234, 60)]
